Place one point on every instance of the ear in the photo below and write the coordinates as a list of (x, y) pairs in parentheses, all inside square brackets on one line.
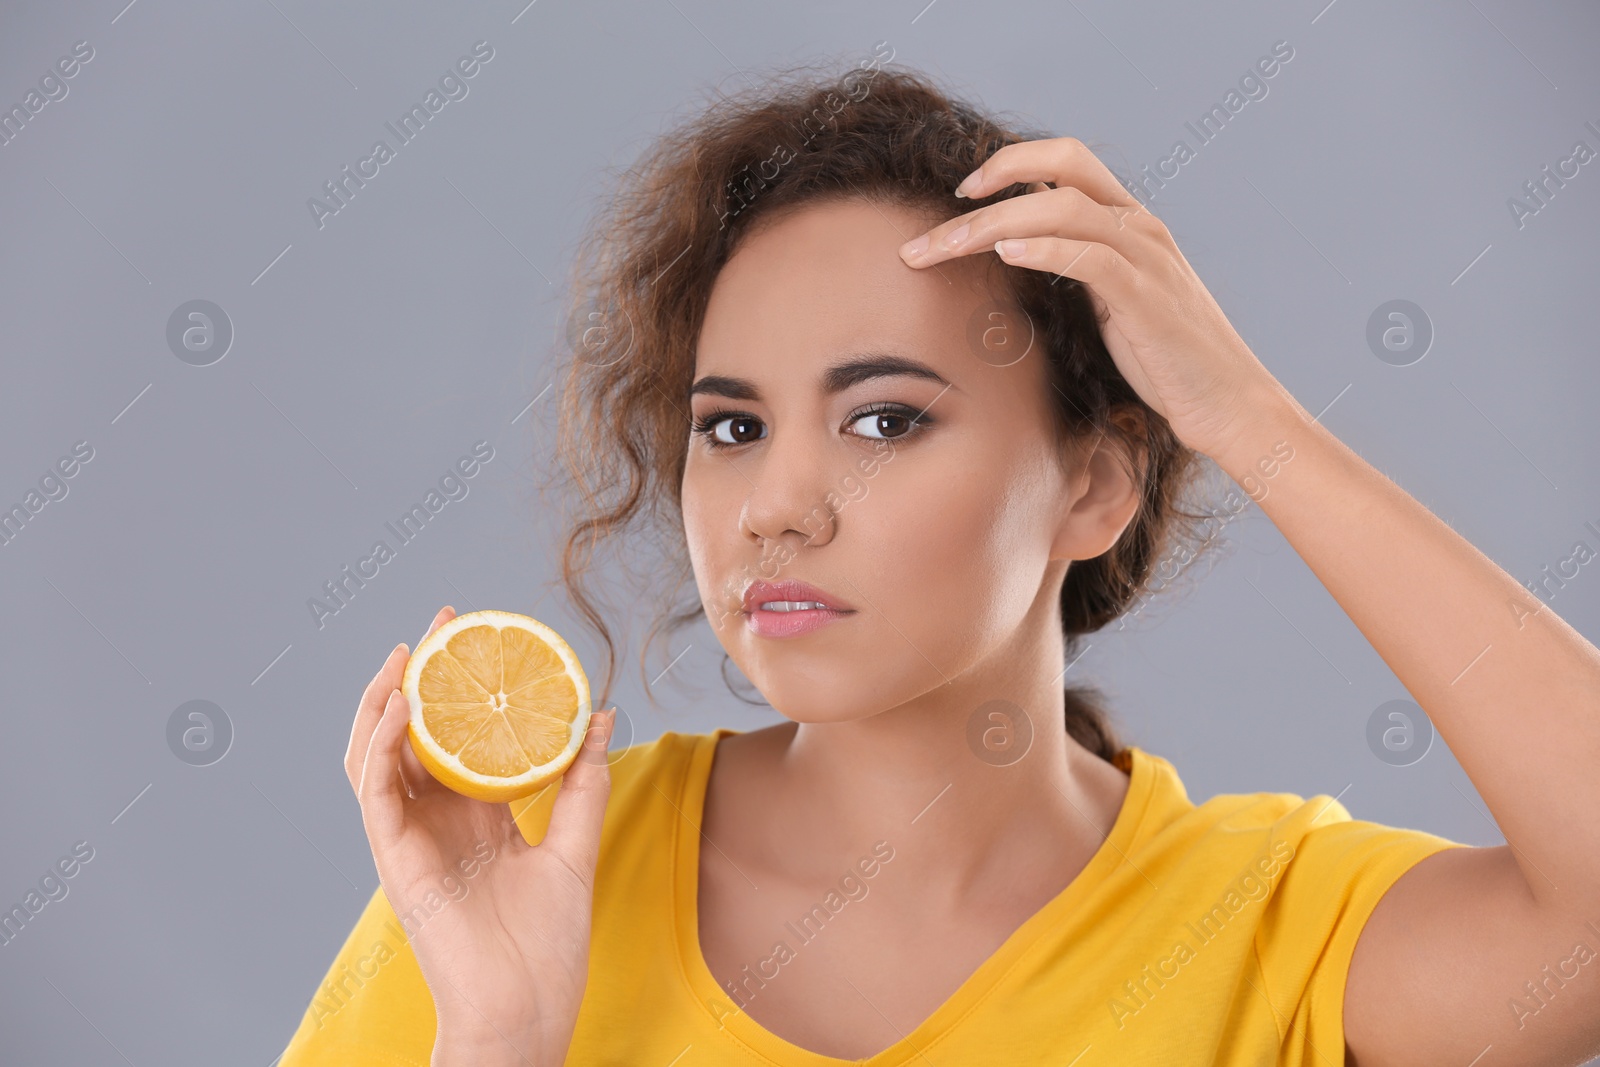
[(1103, 491)]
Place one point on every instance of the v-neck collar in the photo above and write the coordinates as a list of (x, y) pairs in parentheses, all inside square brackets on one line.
[(988, 979)]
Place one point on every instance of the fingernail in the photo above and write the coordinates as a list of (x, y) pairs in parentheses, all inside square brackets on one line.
[(916, 247), (970, 183), (954, 238), (1011, 249)]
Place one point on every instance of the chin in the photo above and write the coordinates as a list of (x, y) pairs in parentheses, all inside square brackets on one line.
[(816, 715), (802, 697), (849, 670), (843, 687)]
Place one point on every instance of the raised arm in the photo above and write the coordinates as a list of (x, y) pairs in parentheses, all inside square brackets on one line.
[(1470, 933), (1457, 957)]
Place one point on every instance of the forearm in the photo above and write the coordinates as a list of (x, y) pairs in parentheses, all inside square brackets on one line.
[(1512, 689)]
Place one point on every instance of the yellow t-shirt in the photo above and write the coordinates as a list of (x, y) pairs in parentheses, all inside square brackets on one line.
[(1218, 933)]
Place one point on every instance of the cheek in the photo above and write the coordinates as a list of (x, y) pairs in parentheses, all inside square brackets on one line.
[(704, 516), (969, 552), (713, 497)]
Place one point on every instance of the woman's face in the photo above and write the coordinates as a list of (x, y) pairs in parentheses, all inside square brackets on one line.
[(945, 537)]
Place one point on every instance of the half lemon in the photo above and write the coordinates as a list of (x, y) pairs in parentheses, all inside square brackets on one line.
[(499, 705)]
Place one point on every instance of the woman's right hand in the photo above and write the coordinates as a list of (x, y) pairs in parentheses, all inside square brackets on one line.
[(506, 953)]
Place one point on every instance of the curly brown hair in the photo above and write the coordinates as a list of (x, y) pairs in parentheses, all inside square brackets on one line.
[(641, 285)]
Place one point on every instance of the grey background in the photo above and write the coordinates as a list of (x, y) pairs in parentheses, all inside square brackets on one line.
[(376, 350)]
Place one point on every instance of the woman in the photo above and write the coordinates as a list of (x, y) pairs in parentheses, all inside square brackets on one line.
[(911, 460)]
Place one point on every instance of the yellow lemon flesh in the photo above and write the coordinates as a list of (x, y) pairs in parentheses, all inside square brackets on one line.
[(499, 705)]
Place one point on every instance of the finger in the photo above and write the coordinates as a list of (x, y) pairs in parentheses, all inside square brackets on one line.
[(1111, 278), (1060, 161), (418, 781), (380, 790), (413, 776), (370, 709), (446, 613), (580, 808), (1067, 212)]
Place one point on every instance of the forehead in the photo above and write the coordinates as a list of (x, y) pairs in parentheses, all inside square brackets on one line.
[(828, 278)]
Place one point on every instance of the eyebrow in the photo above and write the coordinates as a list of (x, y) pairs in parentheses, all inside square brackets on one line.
[(836, 379)]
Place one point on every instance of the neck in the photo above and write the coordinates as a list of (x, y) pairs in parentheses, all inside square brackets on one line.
[(975, 775)]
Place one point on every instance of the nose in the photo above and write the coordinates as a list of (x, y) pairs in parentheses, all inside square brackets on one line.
[(790, 498)]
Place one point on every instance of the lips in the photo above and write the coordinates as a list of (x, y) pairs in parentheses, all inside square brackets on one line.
[(792, 590), (801, 616)]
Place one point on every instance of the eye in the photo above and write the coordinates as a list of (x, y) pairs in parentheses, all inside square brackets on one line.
[(879, 422), (724, 429), (887, 422)]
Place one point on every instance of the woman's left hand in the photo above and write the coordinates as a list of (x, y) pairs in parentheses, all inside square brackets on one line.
[(1161, 325)]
